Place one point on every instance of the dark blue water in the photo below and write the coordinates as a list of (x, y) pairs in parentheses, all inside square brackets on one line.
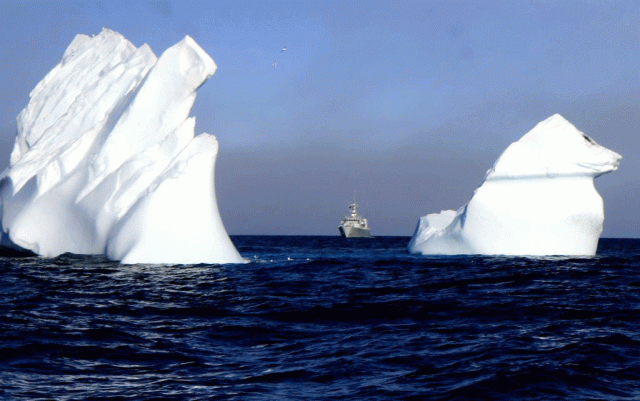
[(322, 318)]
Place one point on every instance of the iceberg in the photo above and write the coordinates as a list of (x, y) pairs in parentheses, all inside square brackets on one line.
[(538, 199), (106, 160)]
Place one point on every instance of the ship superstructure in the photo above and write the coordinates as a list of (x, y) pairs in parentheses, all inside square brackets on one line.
[(354, 225)]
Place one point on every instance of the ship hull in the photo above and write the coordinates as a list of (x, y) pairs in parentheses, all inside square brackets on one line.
[(354, 232)]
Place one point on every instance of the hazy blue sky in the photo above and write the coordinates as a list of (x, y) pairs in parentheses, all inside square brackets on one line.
[(405, 104)]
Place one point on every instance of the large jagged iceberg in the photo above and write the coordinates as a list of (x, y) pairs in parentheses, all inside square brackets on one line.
[(106, 160), (538, 199)]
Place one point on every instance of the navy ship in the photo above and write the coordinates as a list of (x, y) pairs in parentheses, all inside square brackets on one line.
[(353, 225)]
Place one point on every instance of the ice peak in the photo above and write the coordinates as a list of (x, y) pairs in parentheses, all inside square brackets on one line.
[(554, 147), (557, 117), (552, 126)]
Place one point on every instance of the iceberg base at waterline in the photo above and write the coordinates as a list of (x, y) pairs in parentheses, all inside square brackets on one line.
[(538, 199), (106, 160)]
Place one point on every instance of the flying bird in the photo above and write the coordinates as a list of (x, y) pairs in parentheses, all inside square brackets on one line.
[(283, 49)]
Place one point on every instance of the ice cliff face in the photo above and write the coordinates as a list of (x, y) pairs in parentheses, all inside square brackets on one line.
[(106, 159), (538, 199)]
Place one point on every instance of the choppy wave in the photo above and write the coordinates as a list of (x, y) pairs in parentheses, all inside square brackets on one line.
[(321, 318)]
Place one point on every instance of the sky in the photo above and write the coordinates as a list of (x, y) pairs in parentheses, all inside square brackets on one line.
[(403, 104)]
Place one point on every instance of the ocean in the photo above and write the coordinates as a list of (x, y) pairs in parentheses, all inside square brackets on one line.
[(323, 318)]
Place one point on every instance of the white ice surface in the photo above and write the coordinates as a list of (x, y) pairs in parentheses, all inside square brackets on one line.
[(106, 160), (538, 199)]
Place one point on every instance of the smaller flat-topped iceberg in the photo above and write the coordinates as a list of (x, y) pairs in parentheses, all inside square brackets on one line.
[(106, 160), (538, 198)]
